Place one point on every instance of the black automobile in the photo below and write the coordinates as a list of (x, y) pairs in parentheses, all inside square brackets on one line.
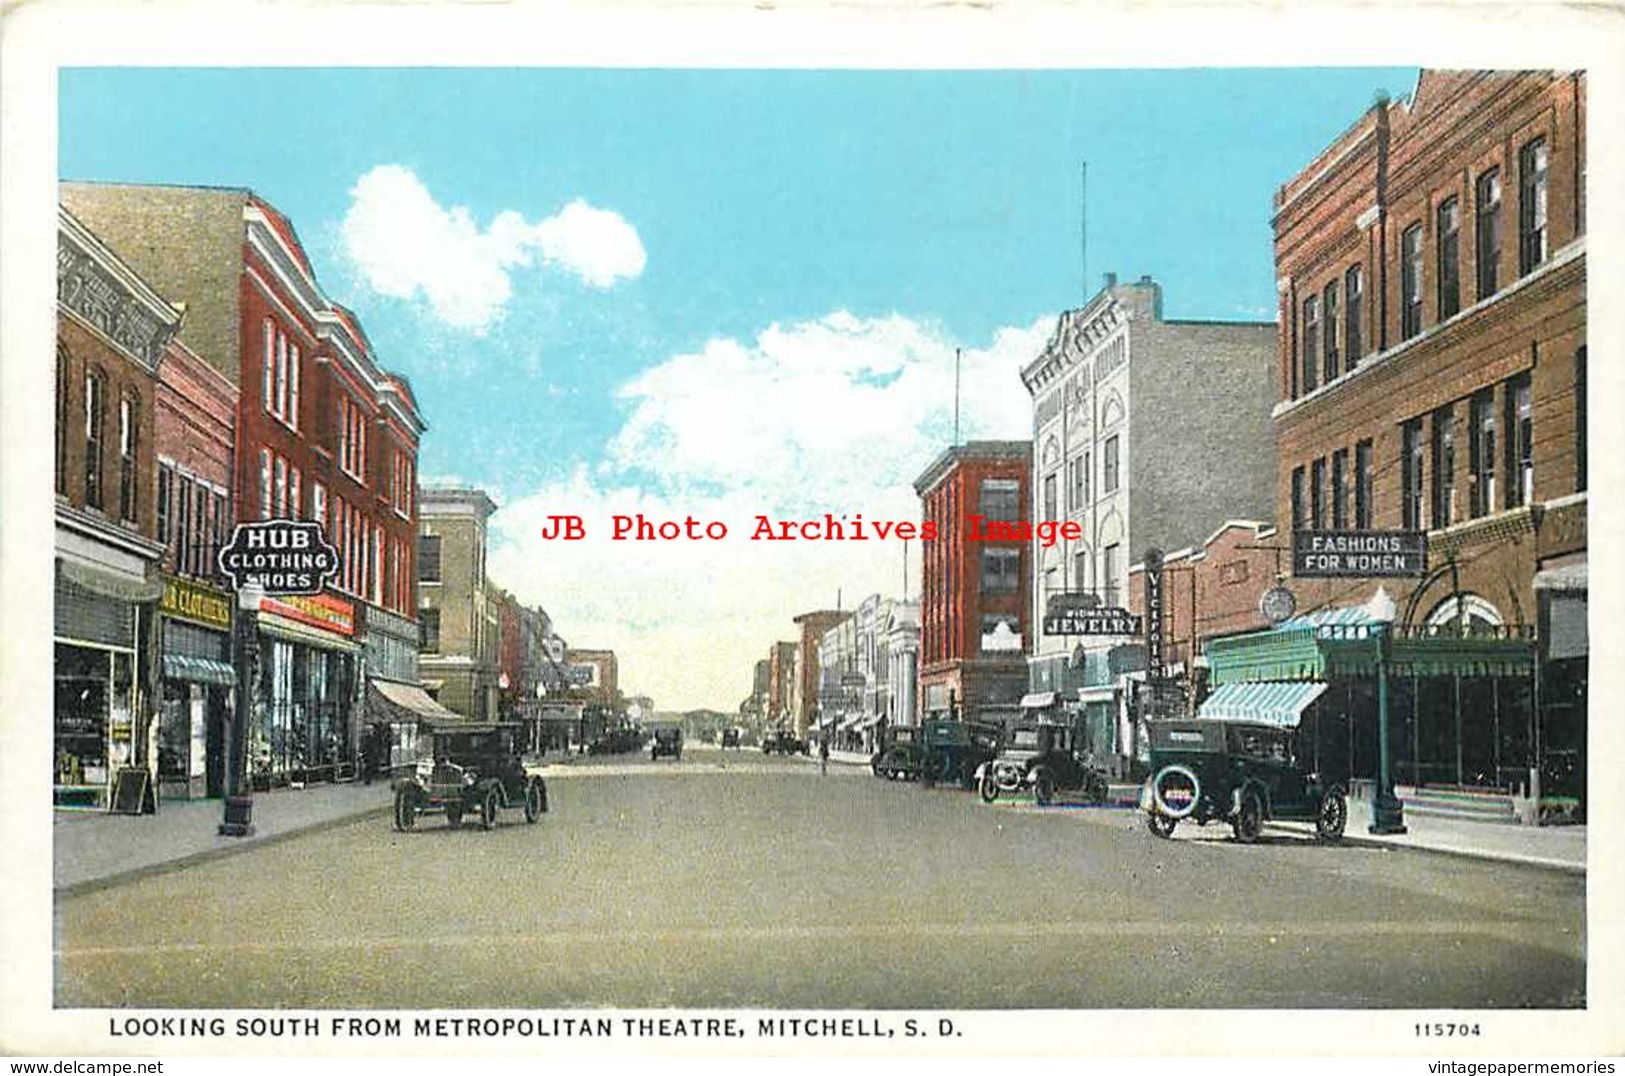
[(899, 756), (467, 768), (667, 740), (1046, 757), (730, 738), (953, 751), (1242, 772)]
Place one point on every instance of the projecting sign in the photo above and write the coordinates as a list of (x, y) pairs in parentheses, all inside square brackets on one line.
[(1366, 554), (284, 556), (1107, 620)]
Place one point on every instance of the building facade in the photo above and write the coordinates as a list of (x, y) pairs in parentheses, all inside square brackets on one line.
[(1114, 379), (807, 671), (112, 331), (461, 637), (974, 604), (1432, 377)]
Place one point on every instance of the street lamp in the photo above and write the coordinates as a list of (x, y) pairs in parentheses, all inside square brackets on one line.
[(1387, 813), (239, 819)]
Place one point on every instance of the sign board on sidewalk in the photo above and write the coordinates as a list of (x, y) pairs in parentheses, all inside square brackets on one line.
[(285, 556), (1359, 554)]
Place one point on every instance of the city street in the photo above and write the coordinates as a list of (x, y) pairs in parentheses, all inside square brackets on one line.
[(733, 880)]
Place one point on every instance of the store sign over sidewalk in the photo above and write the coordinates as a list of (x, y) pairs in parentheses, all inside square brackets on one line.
[(1361, 554), (284, 556)]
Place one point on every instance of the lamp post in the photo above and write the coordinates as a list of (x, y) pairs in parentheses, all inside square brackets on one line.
[(239, 817), (1387, 813)]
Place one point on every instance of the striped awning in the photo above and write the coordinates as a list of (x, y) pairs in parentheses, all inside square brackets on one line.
[(1037, 700), (198, 670), (1273, 702)]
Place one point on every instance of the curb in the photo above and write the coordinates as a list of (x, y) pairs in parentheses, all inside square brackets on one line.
[(118, 878), (1483, 855)]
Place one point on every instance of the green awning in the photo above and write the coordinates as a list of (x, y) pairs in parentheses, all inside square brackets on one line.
[(1277, 703), (1281, 654), (1304, 653), (198, 670)]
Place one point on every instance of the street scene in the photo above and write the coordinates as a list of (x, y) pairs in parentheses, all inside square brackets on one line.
[(877, 553)]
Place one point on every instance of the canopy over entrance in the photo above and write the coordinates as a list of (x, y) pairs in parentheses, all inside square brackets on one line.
[(1274, 703)]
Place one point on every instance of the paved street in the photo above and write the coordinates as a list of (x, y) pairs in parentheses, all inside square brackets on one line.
[(734, 880)]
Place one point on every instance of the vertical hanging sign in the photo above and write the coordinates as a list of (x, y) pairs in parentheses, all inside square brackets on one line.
[(1153, 616)]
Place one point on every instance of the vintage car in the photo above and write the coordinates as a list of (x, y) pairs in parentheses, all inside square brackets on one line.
[(1047, 758), (782, 742), (730, 738), (1243, 772), (667, 740), (899, 754), (953, 751), (466, 768)]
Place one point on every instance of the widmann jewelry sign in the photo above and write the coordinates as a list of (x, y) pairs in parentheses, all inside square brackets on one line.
[(1102, 621), (1361, 554), (185, 600)]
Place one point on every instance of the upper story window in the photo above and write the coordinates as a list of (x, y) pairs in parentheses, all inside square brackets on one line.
[(429, 558), (1481, 453), (1109, 465), (1410, 277), (1001, 570), (1362, 485), (1299, 518), (1340, 489), (64, 381), (166, 496), (267, 504), (1329, 331), (1052, 508), (352, 447), (1111, 562), (1410, 469), (1531, 206), (1444, 467), (1000, 499), (1520, 442), (1311, 343), (401, 483), (95, 427), (1447, 240), (279, 380), (1487, 234), (1317, 494), (1353, 297), (1580, 441), (1080, 482), (129, 436)]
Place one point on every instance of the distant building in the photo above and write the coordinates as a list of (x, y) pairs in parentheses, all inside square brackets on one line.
[(803, 708), (461, 644)]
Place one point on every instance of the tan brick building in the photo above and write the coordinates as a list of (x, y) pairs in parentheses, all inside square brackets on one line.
[(462, 635)]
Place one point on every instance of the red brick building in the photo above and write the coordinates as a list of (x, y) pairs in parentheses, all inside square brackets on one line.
[(1432, 368), (806, 670), (975, 596), (323, 433)]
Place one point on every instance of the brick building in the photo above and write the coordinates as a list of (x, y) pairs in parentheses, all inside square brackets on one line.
[(1432, 377), (975, 605), (781, 677), (323, 433), (112, 330), (805, 670)]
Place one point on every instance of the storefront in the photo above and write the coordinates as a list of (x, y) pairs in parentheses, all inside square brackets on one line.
[(395, 712), (1460, 708), (198, 681), (308, 667)]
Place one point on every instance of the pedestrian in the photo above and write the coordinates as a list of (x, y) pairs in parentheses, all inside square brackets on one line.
[(823, 754)]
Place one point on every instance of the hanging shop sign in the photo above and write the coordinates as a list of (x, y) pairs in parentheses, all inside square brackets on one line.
[(284, 556), (1361, 554)]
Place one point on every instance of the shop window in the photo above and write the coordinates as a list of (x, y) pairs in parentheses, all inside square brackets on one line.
[(1353, 298), (1487, 236), (1447, 239), (1410, 282), (1532, 248), (95, 426)]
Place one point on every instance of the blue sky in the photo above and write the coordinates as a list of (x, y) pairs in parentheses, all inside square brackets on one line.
[(753, 256)]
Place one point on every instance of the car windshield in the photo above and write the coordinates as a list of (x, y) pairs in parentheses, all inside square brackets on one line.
[(464, 744)]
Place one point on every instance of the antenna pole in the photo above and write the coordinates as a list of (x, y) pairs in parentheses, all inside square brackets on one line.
[(1083, 228), (956, 397)]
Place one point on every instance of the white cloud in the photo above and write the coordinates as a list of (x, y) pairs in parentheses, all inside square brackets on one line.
[(837, 415), (406, 244)]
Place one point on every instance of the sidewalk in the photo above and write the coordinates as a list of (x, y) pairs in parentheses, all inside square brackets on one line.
[(92, 849)]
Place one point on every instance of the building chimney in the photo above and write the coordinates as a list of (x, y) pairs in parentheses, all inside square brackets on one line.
[(1111, 280)]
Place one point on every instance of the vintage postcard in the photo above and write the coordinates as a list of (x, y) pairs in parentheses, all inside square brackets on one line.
[(886, 531)]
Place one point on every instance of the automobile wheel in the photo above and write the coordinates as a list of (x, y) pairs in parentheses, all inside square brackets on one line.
[(1249, 821), (1161, 825), (1043, 789), (989, 788), (406, 811), (454, 816), (928, 773), (1333, 816), (533, 801), (488, 810)]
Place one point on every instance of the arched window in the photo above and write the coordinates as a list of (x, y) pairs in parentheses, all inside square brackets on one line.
[(1466, 615)]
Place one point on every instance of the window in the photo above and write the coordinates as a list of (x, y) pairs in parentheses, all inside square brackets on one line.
[(429, 558), (318, 505), (1000, 499), (296, 502), (291, 415), (1299, 520), (1311, 343), (1080, 570), (429, 629), (1317, 494), (1410, 467), (200, 530), (1352, 298), (992, 622), (1481, 453), (1520, 450), (401, 484), (166, 492), (1051, 508), (1410, 275), (64, 381), (129, 434), (1579, 420), (1362, 486), (1329, 330), (1108, 479), (1111, 559), (1080, 483), (1487, 239), (95, 422), (183, 525), (1001, 570), (1340, 488), (352, 439), (1444, 467), (281, 511), (1531, 206), (1447, 239), (265, 483), (376, 560), (268, 367)]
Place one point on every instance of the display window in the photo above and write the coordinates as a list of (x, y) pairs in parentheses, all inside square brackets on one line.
[(95, 704)]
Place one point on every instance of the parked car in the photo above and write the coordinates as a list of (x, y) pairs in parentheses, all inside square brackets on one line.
[(667, 740), (899, 754), (1046, 757), (953, 751), (1243, 772), (466, 769), (730, 738)]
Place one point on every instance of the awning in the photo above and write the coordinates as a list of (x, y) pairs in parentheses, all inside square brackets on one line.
[(1099, 693), (107, 583), (282, 628), (1568, 577), (388, 700), (1036, 700), (1273, 702), (198, 670)]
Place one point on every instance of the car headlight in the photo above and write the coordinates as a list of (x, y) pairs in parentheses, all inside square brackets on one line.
[(468, 778)]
